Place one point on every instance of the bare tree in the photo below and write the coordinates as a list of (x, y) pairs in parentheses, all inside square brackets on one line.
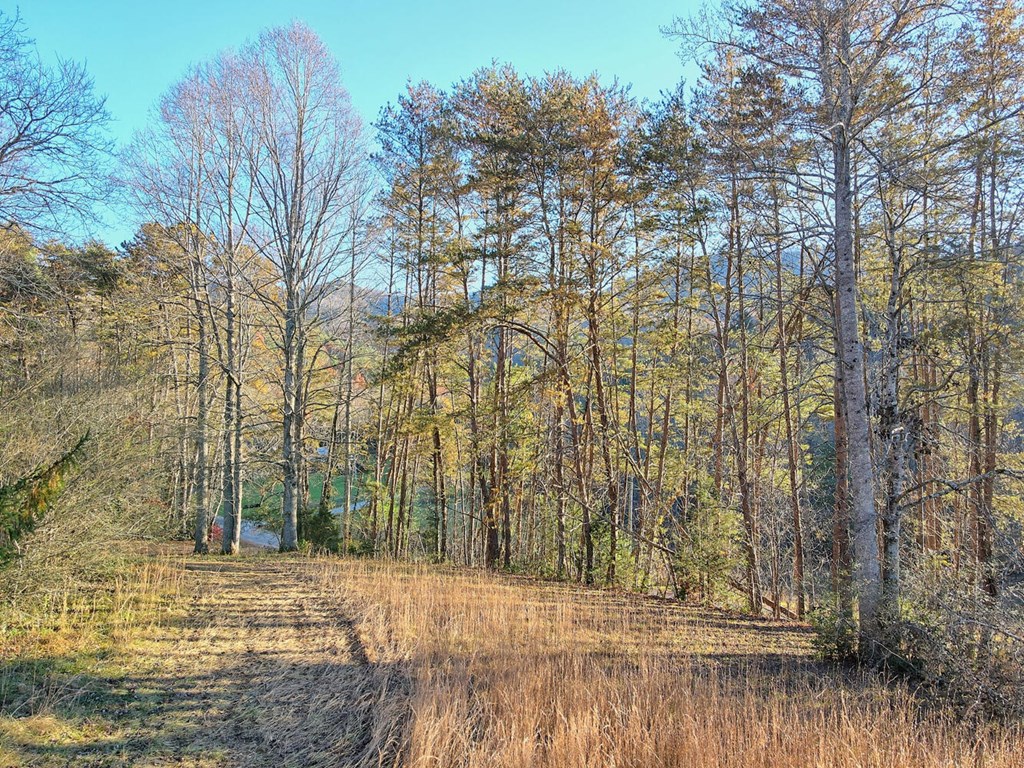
[(52, 140), (304, 163), (229, 207), (168, 178)]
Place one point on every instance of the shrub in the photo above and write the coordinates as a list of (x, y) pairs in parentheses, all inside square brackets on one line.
[(964, 646), (834, 633)]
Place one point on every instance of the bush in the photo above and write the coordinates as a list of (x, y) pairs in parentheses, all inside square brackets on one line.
[(964, 646), (706, 551), (834, 633), (320, 530)]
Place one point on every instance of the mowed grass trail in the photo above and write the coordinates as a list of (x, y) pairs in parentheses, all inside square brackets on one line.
[(286, 661), (249, 664)]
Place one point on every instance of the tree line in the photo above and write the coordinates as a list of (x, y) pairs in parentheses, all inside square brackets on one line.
[(755, 340)]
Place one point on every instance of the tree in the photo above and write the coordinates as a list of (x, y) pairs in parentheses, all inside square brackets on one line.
[(845, 55), (992, 87), (414, 148), (52, 140), (24, 503), (168, 176), (303, 161)]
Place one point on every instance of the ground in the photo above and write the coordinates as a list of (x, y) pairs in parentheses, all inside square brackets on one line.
[(268, 660), (260, 669)]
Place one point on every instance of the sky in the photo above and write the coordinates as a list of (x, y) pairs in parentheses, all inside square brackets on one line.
[(135, 49)]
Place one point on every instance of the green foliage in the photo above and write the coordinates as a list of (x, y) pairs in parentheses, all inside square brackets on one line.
[(23, 503), (706, 551), (320, 530), (423, 333), (834, 633)]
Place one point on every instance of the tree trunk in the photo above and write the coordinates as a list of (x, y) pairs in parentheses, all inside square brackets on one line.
[(289, 502), (866, 568), (199, 485)]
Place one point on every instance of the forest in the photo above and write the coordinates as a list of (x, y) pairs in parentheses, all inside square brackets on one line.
[(752, 347)]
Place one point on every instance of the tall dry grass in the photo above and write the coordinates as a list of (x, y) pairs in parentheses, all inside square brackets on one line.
[(511, 673)]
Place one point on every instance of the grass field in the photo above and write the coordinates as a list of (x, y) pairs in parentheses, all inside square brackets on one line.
[(278, 661), (510, 672)]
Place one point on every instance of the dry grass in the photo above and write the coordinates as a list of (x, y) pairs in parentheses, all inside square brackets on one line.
[(508, 672), (271, 661), (53, 650)]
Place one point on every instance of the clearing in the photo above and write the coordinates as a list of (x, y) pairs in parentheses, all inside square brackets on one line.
[(268, 660)]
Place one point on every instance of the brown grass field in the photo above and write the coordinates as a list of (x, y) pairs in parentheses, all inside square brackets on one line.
[(512, 673), (285, 661)]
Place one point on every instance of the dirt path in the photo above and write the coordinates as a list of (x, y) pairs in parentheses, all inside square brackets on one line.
[(263, 669)]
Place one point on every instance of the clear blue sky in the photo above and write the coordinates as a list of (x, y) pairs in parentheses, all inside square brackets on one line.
[(135, 49)]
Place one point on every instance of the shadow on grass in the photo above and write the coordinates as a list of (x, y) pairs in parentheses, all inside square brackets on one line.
[(293, 715), (264, 706), (232, 704)]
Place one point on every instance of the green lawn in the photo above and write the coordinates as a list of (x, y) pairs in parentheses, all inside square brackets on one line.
[(262, 499)]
